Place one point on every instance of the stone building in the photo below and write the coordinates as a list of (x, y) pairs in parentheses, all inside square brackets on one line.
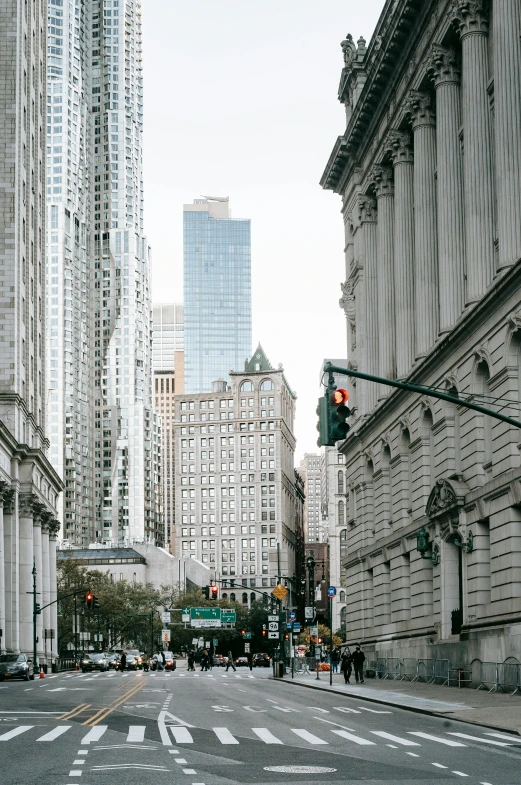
[(429, 171), (29, 487), (235, 493)]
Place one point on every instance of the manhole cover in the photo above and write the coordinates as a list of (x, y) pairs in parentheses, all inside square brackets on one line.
[(299, 769)]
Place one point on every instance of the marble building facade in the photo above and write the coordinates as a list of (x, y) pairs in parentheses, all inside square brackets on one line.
[(29, 486), (429, 171)]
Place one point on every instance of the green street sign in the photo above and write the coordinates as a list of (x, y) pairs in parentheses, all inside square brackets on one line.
[(228, 617), (205, 614)]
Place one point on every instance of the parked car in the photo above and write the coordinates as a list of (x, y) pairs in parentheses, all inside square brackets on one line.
[(16, 666), (261, 660), (241, 662), (94, 662)]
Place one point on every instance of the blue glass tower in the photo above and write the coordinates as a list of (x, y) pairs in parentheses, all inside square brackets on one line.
[(217, 293)]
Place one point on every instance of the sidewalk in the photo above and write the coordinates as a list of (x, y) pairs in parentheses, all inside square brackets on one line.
[(496, 710)]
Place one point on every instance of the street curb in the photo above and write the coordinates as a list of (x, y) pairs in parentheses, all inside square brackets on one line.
[(414, 709)]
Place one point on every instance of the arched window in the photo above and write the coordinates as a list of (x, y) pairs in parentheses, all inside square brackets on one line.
[(340, 482), (343, 544), (232, 597), (246, 387), (342, 596), (341, 514), (245, 598), (266, 384)]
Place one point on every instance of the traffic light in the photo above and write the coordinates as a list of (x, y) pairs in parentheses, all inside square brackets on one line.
[(89, 598), (214, 591), (332, 414), (206, 592), (95, 602)]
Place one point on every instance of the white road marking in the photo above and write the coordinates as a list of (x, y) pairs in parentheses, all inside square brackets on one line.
[(352, 737), (15, 732), (439, 765), (513, 739), (477, 738), (95, 734), (224, 736), (307, 736), (266, 736), (447, 742), (136, 733), (181, 735), (53, 734), (397, 739)]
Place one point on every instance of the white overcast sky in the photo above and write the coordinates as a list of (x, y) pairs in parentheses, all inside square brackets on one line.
[(241, 101)]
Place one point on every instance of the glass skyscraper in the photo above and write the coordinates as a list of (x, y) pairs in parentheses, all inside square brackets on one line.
[(217, 292)]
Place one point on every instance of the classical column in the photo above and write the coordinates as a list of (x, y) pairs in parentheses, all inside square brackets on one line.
[(4, 488), (384, 189), (26, 502), (46, 598), (444, 69), (507, 111), (471, 18), (399, 148), (11, 570), (367, 221), (54, 528), (422, 116)]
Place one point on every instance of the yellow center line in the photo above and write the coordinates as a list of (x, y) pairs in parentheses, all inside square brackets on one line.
[(115, 706), (72, 713)]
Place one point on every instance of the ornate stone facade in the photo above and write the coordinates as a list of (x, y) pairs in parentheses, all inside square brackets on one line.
[(29, 486), (433, 294)]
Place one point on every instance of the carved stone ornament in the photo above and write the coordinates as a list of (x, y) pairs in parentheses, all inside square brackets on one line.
[(348, 50), (443, 65), (367, 209), (382, 178), (445, 495), (470, 16), (418, 107), (398, 146)]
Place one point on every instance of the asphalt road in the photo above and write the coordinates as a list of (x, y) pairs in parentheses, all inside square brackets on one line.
[(231, 729)]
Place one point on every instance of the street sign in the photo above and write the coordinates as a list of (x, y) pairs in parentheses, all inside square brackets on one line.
[(279, 591), (185, 614), (273, 626), (308, 613), (331, 592), (247, 648), (292, 615), (296, 626), (273, 618), (274, 635), (165, 617), (165, 636), (205, 617), (228, 616)]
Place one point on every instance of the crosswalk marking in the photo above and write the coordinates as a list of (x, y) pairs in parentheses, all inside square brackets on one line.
[(477, 738), (181, 735), (448, 742), (53, 734), (397, 739), (224, 736), (136, 733), (95, 734), (352, 737), (15, 732), (307, 736), (266, 736)]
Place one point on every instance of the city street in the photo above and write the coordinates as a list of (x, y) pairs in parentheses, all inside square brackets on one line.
[(223, 728)]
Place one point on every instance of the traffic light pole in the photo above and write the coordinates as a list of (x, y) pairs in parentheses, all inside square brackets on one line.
[(421, 390)]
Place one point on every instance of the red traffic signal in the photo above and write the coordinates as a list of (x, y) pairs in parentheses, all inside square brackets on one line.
[(339, 396)]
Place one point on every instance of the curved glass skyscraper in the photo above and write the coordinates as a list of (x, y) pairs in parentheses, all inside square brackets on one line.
[(217, 292)]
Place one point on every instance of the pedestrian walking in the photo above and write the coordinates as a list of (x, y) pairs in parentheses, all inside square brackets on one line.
[(346, 666), (335, 658), (230, 662), (123, 661), (358, 664)]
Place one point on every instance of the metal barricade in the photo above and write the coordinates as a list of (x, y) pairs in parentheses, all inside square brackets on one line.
[(489, 676), (381, 667), (393, 668), (425, 671), (409, 669)]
